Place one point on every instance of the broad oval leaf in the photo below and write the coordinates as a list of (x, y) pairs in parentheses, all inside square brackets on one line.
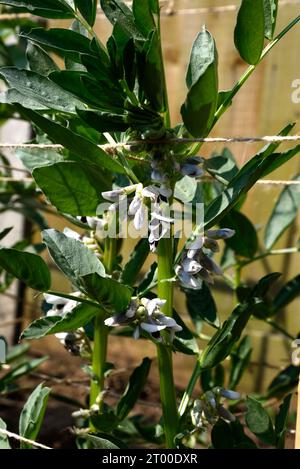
[(244, 229), (201, 307), (73, 258), (202, 81), (249, 32), (259, 421), (41, 90), (29, 268), (284, 213), (72, 187), (46, 8), (39, 61), (73, 320), (108, 291), (32, 415)]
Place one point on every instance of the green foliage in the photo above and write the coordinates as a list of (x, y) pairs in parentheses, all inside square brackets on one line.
[(32, 415)]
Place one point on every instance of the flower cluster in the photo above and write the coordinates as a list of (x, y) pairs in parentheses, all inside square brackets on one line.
[(145, 314), (196, 262), (72, 341), (209, 407)]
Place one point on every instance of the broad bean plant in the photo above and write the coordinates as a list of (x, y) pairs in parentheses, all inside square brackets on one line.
[(121, 175)]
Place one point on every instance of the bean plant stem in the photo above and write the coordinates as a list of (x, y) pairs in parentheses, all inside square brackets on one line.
[(101, 335), (164, 354), (189, 390)]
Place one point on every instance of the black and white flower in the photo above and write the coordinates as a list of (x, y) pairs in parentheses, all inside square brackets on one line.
[(146, 315), (197, 264)]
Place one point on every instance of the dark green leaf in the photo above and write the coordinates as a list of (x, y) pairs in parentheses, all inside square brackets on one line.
[(83, 148), (72, 187), (249, 32), (38, 88), (64, 42), (222, 168), (104, 121), (281, 421), (88, 9), (221, 344), (201, 307), (136, 383), (138, 256), (284, 382), (19, 371), (97, 442), (261, 289), (221, 435), (202, 81), (259, 166), (143, 16), (46, 8), (71, 256), (29, 268), (286, 294), (240, 358), (73, 320), (118, 12), (39, 61), (259, 422), (32, 415), (284, 213), (184, 340), (244, 229), (108, 291)]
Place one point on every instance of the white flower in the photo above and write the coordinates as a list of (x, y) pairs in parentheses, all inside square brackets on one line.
[(196, 265), (145, 314)]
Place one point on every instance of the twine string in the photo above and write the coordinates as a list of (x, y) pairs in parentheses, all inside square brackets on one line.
[(22, 439)]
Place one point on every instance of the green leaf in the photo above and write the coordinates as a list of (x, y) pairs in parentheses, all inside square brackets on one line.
[(47, 8), (29, 268), (73, 320), (4, 441), (284, 213), (64, 42), (202, 81), (104, 121), (259, 422), (289, 292), (72, 187), (16, 351), (83, 148), (108, 291), (73, 258), (270, 14), (284, 382), (244, 229), (222, 168), (281, 421), (184, 340), (34, 158), (201, 306), (261, 289), (185, 189), (97, 442), (221, 436), (118, 12), (134, 388), (240, 357), (259, 166), (19, 371), (137, 259), (39, 61), (32, 415), (249, 32), (221, 344), (88, 9), (151, 74), (143, 16), (40, 90)]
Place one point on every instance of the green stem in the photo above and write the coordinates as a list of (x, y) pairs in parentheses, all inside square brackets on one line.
[(101, 334), (167, 117), (164, 354)]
